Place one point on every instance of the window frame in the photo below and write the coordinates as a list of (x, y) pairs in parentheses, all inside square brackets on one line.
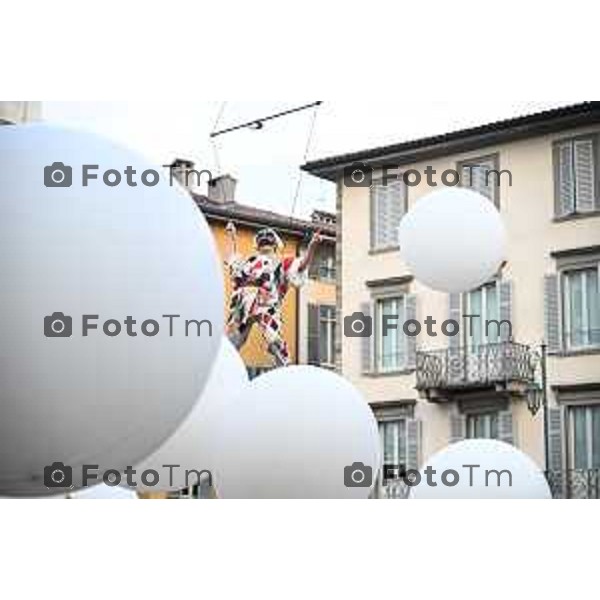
[(492, 419), (484, 317), (398, 367), (330, 323), (565, 300), (590, 442)]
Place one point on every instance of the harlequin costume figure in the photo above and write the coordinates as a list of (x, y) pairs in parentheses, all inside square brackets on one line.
[(260, 284)]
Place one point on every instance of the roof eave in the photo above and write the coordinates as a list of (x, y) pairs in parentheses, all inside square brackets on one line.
[(461, 141)]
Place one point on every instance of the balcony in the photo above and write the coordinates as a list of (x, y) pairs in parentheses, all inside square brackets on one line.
[(505, 366), (575, 484), (565, 485)]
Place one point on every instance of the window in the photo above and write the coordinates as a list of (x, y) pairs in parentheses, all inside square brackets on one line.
[(581, 302), (482, 175), (575, 176), (323, 266), (321, 335), (482, 426), (584, 437), (327, 335), (394, 439), (388, 206), (485, 303), (390, 343)]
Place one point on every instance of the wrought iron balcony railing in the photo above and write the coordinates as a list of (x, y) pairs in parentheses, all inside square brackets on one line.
[(575, 484), (565, 485), (483, 365)]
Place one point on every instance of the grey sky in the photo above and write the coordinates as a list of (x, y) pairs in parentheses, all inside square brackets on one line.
[(266, 162)]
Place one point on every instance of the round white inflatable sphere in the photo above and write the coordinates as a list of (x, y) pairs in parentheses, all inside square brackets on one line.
[(300, 432), (109, 295), (481, 469), (228, 380), (454, 240)]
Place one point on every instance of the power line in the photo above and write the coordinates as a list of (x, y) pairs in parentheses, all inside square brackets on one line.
[(259, 123), (215, 148), (309, 142)]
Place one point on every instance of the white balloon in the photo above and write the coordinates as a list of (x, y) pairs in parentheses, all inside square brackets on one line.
[(298, 433), (454, 240), (103, 492), (116, 252), (504, 472), (228, 380)]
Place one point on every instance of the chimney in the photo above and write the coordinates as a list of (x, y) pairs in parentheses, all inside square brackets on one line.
[(222, 189), (183, 171)]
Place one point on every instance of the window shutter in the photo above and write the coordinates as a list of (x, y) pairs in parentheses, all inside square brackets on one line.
[(555, 439), (458, 427), (397, 196), (413, 431), (565, 180), (388, 205), (505, 427), (476, 175), (454, 313), (552, 313), (314, 357), (505, 290), (367, 342), (411, 342), (585, 186)]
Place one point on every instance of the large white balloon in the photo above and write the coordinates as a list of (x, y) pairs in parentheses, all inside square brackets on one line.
[(103, 492), (115, 252), (300, 432), (487, 469), (228, 381), (454, 240)]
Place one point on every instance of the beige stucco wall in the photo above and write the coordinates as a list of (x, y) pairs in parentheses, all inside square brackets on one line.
[(20, 111), (528, 210)]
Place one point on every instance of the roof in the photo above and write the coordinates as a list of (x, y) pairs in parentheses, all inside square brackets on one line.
[(250, 216), (465, 140)]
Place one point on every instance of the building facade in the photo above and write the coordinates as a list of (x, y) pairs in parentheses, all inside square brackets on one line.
[(543, 173), (19, 111)]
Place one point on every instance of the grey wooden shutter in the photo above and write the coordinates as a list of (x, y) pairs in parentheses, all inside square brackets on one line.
[(411, 342), (397, 197), (314, 357), (458, 427), (413, 431), (585, 185), (564, 180), (454, 313), (367, 354), (505, 427), (552, 313), (555, 440), (505, 291), (388, 205)]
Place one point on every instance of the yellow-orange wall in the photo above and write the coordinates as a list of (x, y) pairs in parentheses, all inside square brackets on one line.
[(255, 352)]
